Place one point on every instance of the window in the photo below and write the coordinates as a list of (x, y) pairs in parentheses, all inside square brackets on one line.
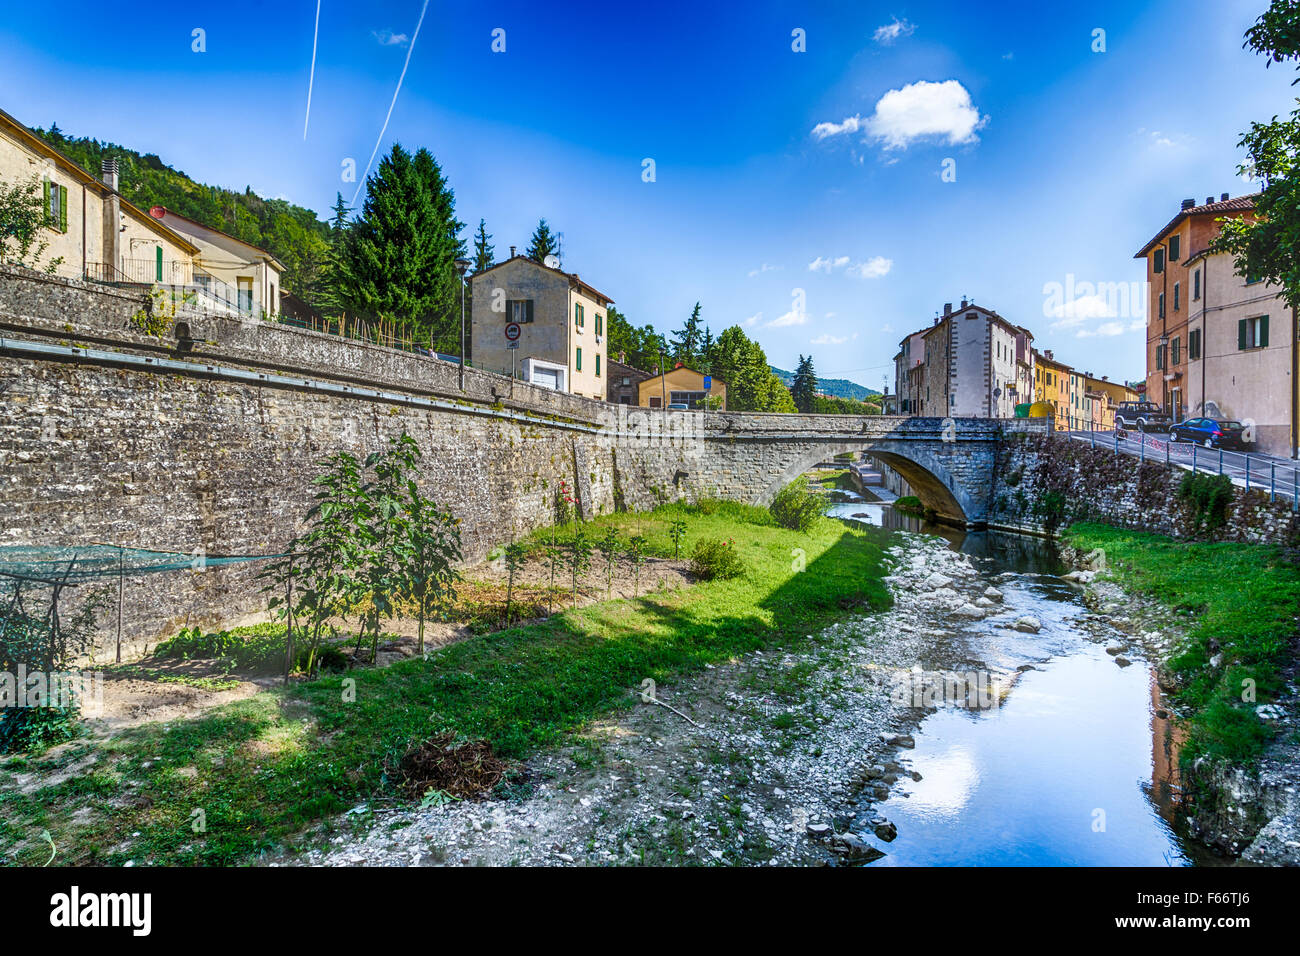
[(654, 401), (1194, 344), (56, 206), (245, 293), (689, 399), (600, 324), (158, 267), (1162, 305), (578, 362), (1252, 280), (1177, 349), (597, 364), (1196, 285), (579, 319), (519, 311), (1173, 248), (1158, 265), (1160, 357), (1178, 297), (627, 380), (1252, 333)]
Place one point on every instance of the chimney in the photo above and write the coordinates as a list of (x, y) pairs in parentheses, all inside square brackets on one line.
[(947, 310), (1208, 200), (512, 252), (1050, 356), (1188, 203), (622, 358), (112, 228), (1223, 198), (963, 303)]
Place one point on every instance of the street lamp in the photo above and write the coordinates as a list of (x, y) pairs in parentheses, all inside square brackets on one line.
[(462, 265)]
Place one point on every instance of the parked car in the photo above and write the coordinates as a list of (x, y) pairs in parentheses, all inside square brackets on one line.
[(1144, 416), (1212, 433), (679, 407)]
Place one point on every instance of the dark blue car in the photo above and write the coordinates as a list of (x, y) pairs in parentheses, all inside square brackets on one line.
[(1211, 432)]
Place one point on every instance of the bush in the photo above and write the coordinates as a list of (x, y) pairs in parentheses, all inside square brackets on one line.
[(1208, 496), (909, 505), (34, 729), (714, 558), (258, 646), (797, 508)]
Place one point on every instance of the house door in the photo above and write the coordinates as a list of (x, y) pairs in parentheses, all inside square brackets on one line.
[(546, 377)]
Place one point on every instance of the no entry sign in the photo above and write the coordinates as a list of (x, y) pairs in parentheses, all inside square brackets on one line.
[(512, 331)]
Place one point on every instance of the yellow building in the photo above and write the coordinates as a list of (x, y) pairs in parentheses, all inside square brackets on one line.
[(1052, 385), (1106, 396), (681, 386)]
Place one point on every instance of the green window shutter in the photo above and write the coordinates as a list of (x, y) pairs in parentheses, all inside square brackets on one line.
[(48, 218), (598, 364), (1241, 333), (1263, 331), (158, 262), (530, 310), (63, 208), (579, 362), (1160, 260)]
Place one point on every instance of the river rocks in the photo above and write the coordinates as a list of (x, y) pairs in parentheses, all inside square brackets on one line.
[(899, 740), (992, 593), (936, 581), (1114, 649), (854, 847), (886, 831), (1123, 661), (984, 603), (819, 831), (969, 610), (1028, 624), (1080, 577)]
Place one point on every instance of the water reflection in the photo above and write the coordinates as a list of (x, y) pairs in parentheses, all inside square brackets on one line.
[(1076, 767)]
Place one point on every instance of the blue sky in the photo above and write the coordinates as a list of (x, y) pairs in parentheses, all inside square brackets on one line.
[(775, 170)]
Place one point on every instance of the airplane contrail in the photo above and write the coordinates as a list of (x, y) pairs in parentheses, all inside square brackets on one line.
[(312, 76), (409, 50)]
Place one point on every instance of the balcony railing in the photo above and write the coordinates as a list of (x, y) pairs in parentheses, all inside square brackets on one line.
[(206, 293)]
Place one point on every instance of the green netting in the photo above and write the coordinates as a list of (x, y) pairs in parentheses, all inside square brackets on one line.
[(51, 563)]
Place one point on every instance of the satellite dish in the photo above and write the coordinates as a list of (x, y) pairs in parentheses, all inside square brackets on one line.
[(552, 262)]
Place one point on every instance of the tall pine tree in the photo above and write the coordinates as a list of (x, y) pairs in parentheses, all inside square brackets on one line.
[(686, 342), (397, 260), (803, 389), (544, 243), (483, 249), (341, 210)]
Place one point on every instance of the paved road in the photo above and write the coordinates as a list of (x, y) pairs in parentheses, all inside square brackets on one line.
[(1269, 473)]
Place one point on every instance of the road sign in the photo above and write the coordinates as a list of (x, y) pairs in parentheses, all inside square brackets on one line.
[(708, 382), (512, 331), (512, 345)]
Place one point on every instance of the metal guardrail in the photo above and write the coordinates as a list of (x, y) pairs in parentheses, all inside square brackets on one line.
[(1261, 472)]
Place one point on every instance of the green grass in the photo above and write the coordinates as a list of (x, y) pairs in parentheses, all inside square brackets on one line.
[(1241, 600), (265, 769)]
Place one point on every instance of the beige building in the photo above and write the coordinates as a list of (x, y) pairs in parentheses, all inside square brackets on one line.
[(92, 231), (972, 363), (681, 386), (561, 324), (228, 274), (1241, 352)]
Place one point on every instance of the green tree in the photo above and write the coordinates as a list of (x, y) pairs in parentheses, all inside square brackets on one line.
[(23, 215), (751, 385), (341, 211), (544, 243), (1264, 245), (386, 533), (428, 556), (804, 387), (609, 546), (636, 551), (397, 260), (686, 341), (484, 253)]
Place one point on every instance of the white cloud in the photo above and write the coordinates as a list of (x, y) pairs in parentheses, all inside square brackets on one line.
[(1082, 309), (850, 125), (822, 264), (761, 269), (389, 38), (892, 31), (828, 339), (873, 268), (789, 319), (921, 110), (1105, 330), (753, 320)]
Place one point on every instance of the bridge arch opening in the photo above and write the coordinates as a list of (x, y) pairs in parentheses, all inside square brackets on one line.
[(930, 480)]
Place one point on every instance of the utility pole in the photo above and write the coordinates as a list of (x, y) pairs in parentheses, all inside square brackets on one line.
[(461, 266)]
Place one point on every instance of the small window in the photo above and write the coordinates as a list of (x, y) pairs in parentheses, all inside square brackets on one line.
[(598, 365), (1173, 248), (519, 311), (1158, 265), (1160, 357), (627, 380), (1178, 298), (1252, 333), (1196, 285), (1176, 350), (578, 318), (56, 206), (1194, 344), (578, 361), (600, 324), (1162, 305)]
